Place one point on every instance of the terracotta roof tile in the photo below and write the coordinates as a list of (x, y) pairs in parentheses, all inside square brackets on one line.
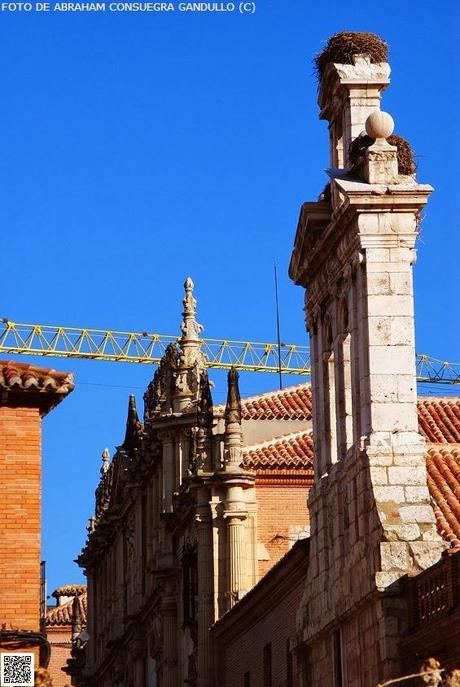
[(62, 615), (16, 376), (292, 403), (290, 452), (443, 465), (439, 419)]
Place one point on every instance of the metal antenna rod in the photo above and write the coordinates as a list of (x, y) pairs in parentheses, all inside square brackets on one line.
[(278, 325)]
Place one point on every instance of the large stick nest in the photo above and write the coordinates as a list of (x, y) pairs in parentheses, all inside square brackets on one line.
[(405, 154), (341, 47)]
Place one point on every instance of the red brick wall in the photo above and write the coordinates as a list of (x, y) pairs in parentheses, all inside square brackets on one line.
[(20, 470), (280, 506), (60, 640)]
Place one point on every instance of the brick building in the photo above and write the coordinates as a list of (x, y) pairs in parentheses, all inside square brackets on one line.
[(64, 623), (28, 393)]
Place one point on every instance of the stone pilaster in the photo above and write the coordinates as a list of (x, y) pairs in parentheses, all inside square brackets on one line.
[(349, 93), (205, 588), (170, 641), (236, 482)]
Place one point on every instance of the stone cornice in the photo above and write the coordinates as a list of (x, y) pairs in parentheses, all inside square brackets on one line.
[(322, 249)]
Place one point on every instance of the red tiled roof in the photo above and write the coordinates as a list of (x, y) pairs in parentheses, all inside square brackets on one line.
[(31, 385), (439, 419), (292, 403), (31, 377), (62, 615), (443, 465), (290, 452), (69, 590)]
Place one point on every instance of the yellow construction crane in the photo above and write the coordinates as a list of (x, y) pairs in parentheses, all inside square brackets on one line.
[(146, 347)]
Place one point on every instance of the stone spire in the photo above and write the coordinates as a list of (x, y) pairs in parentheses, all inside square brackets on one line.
[(189, 327), (105, 461), (233, 434), (191, 359), (132, 425)]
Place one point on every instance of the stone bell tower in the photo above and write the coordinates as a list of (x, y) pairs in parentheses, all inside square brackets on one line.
[(370, 514)]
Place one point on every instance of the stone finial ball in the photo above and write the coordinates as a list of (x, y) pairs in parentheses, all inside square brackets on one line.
[(379, 124)]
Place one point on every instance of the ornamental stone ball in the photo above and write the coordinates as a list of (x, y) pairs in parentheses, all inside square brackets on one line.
[(379, 124)]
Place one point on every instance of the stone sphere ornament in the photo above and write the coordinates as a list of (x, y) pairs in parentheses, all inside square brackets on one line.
[(379, 124)]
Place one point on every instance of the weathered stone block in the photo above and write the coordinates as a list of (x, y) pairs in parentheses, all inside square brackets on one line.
[(379, 255), (420, 513), (378, 475), (385, 359), (379, 283), (401, 283), (389, 494), (402, 532), (425, 554), (395, 417), (420, 493), (407, 475), (394, 305), (402, 331), (380, 330)]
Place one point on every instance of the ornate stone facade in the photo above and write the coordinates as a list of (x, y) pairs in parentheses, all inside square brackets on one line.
[(176, 541), (370, 513)]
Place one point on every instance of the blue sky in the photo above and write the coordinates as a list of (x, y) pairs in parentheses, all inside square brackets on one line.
[(136, 149)]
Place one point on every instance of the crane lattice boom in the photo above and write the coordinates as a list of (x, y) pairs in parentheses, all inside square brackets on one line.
[(145, 347)]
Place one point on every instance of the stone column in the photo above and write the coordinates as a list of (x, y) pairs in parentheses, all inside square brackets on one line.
[(205, 588), (236, 558)]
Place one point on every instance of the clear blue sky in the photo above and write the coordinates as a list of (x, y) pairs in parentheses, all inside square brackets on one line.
[(136, 149)]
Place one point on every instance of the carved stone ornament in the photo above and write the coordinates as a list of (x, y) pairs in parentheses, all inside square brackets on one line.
[(160, 392), (190, 328)]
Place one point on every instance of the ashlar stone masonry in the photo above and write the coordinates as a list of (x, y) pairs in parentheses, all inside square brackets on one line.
[(370, 514)]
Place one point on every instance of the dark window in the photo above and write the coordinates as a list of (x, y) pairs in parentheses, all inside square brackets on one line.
[(268, 665), (289, 666), (304, 658), (337, 654), (190, 587), (247, 679)]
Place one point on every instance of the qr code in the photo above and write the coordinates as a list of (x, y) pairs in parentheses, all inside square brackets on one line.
[(16, 670)]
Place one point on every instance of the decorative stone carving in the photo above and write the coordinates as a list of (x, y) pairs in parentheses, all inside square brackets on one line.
[(189, 327), (160, 392), (233, 431)]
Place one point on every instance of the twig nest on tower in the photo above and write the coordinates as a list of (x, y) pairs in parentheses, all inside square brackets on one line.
[(379, 125), (343, 46), (405, 154)]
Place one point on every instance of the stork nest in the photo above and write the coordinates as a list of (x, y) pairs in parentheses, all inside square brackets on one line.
[(405, 154), (343, 46)]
